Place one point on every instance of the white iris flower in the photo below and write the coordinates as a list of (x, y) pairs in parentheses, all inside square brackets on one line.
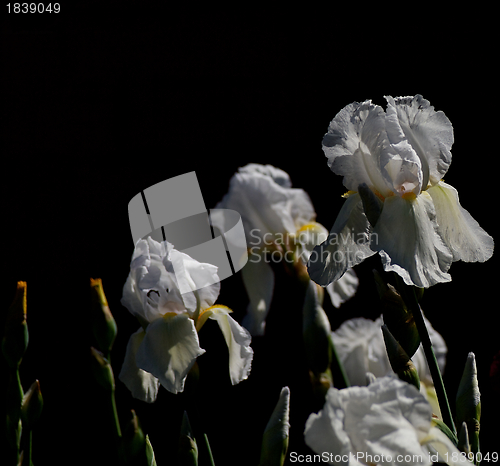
[(275, 217), (402, 156), (165, 348), (386, 423)]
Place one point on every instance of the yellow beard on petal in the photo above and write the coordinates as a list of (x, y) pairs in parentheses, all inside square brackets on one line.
[(410, 196)]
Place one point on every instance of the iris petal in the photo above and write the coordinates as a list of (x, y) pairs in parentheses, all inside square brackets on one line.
[(346, 245), (142, 384), (169, 350), (354, 143), (430, 134), (461, 233), (406, 237), (258, 278), (238, 342)]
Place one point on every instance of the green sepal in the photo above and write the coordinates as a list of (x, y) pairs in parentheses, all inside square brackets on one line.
[(276, 433), (32, 405), (187, 451)]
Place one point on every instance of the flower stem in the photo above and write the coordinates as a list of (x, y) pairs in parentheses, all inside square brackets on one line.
[(114, 415), (410, 299), (209, 450)]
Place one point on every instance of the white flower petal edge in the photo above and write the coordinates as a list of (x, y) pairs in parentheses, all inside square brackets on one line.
[(429, 133), (354, 143), (238, 341), (462, 234), (361, 349), (267, 203), (346, 245), (406, 235), (169, 350), (258, 278), (388, 418), (143, 385), (344, 288)]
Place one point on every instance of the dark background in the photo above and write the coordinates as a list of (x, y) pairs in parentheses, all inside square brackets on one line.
[(102, 102)]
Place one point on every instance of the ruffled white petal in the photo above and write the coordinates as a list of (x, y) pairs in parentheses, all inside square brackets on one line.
[(169, 350), (462, 234), (406, 237), (354, 143), (266, 202), (346, 245), (361, 349), (238, 341), (429, 133), (278, 175), (258, 278), (344, 288), (324, 431), (389, 418), (142, 384), (195, 275)]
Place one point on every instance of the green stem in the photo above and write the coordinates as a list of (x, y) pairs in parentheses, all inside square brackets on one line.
[(27, 448), (207, 444), (13, 422), (410, 299), (114, 414)]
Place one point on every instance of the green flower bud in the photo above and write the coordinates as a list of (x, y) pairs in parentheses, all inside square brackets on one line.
[(133, 442), (150, 454), (188, 449), (15, 339), (468, 402), (276, 433), (32, 405), (103, 323), (397, 317), (401, 364), (102, 370)]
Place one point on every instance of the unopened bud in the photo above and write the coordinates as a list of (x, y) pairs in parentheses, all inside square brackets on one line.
[(188, 449), (276, 433), (468, 395), (103, 323), (133, 441), (397, 317), (468, 402), (401, 364), (316, 332), (15, 339), (102, 370), (31, 408)]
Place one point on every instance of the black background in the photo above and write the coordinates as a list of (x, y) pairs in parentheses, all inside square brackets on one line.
[(102, 102)]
